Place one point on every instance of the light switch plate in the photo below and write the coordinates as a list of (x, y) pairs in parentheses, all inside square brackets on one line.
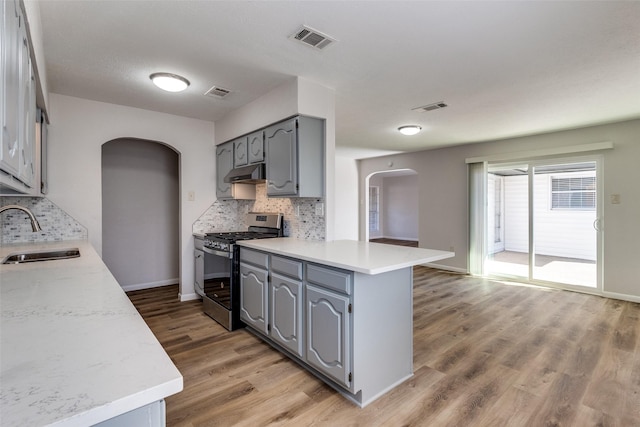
[(319, 209), (191, 196)]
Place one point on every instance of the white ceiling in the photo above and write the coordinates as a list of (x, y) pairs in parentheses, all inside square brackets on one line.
[(504, 68)]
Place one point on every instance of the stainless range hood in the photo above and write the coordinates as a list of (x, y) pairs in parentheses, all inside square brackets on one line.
[(252, 174)]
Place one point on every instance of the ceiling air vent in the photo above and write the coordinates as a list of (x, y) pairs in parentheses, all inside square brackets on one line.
[(217, 92), (312, 38), (431, 107)]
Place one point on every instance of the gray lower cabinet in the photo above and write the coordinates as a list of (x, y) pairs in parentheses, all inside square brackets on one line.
[(328, 333), (352, 330), (309, 318), (285, 312), (254, 294), (224, 164)]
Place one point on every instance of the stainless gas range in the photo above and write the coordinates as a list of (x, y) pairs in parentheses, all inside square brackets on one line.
[(218, 276)]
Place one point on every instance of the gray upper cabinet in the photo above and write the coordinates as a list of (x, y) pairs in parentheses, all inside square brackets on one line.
[(224, 164), (240, 152), (28, 110), (11, 43), (293, 153), (17, 104), (295, 158), (255, 143), (282, 159)]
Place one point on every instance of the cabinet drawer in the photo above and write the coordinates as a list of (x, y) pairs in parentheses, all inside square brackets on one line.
[(286, 266), (256, 258), (338, 280)]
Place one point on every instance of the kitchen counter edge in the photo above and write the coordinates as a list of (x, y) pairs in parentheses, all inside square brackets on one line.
[(362, 257)]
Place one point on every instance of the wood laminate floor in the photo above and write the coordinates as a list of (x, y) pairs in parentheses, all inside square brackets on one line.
[(485, 354)]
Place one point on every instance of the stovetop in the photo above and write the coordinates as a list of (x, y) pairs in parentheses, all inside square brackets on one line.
[(261, 226), (234, 236)]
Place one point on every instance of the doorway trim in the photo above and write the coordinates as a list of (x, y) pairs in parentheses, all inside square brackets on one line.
[(365, 211)]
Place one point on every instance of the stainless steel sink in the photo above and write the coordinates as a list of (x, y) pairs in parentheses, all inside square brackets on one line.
[(35, 256)]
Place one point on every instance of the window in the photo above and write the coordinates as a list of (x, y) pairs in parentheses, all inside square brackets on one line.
[(374, 207), (576, 193)]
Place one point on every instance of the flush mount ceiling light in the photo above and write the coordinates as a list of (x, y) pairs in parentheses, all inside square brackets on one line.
[(409, 129), (169, 82)]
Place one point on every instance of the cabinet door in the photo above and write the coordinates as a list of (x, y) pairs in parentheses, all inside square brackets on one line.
[(285, 313), (328, 338), (254, 293), (282, 159), (224, 164), (256, 147), (27, 118), (11, 45), (240, 156)]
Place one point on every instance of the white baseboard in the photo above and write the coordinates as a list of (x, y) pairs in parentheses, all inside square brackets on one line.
[(149, 285), (188, 297), (446, 268), (624, 297)]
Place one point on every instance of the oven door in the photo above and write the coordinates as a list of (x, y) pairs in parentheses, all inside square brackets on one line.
[(218, 276)]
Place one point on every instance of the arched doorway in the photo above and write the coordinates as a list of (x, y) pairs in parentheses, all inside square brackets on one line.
[(141, 212), (392, 212)]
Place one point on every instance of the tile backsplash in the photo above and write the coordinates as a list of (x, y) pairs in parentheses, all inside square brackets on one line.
[(300, 220), (56, 224)]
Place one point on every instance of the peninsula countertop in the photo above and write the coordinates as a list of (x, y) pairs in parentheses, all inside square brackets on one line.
[(353, 255), (74, 350)]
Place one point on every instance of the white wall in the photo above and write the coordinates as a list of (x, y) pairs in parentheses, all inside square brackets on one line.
[(140, 213), (346, 199), (401, 208), (516, 213), (443, 194), (78, 129)]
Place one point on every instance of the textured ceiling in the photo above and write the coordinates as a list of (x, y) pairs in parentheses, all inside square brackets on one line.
[(504, 68)]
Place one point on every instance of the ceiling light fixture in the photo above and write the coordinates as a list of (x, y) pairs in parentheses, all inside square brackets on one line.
[(409, 129), (169, 82)]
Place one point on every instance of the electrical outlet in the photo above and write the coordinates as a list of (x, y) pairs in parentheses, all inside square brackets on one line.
[(319, 209), (191, 196), (297, 210)]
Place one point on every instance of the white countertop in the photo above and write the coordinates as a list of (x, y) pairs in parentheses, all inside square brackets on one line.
[(362, 257), (74, 350)]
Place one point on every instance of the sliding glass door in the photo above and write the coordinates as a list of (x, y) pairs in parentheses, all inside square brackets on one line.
[(541, 222)]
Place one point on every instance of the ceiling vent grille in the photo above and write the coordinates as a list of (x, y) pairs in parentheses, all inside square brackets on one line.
[(431, 107), (312, 38), (217, 92)]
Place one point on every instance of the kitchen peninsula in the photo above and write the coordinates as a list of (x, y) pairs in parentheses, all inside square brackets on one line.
[(74, 350), (342, 309)]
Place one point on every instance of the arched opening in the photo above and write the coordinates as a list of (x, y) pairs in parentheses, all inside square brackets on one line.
[(141, 212), (392, 207)]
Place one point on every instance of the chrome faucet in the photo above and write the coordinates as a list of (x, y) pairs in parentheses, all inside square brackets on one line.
[(35, 226)]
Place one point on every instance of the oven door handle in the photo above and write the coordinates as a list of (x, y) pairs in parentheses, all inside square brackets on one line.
[(219, 253)]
